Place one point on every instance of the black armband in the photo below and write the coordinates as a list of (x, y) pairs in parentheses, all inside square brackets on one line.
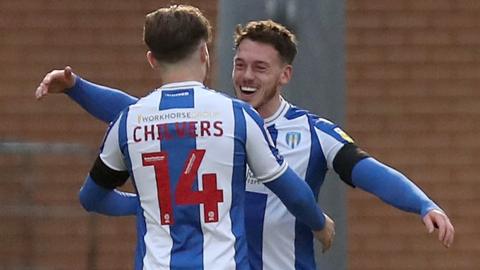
[(345, 160), (107, 177)]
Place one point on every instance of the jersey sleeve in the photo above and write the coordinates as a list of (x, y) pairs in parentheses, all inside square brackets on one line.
[(98, 199), (111, 154), (263, 158), (109, 170), (332, 138), (100, 101), (391, 186)]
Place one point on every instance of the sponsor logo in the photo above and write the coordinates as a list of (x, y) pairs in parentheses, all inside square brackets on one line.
[(179, 94), (343, 135), (178, 116)]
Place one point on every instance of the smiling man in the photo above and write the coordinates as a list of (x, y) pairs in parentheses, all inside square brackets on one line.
[(259, 73), (265, 51)]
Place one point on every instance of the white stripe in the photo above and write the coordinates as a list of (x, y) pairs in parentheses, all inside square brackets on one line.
[(260, 160), (157, 237), (218, 241)]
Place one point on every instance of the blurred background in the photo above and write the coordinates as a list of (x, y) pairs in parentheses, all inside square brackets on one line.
[(401, 76)]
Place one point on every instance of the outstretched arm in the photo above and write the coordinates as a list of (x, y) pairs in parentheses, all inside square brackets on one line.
[(111, 202), (397, 190), (102, 102)]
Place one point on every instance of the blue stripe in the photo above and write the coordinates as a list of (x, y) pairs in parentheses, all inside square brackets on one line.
[(140, 250), (317, 164), (237, 210), (315, 175), (273, 133), (259, 121), (295, 112), (304, 252), (328, 128), (173, 99), (255, 216), (186, 233)]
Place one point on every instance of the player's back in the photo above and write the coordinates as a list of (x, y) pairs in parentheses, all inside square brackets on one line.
[(184, 145)]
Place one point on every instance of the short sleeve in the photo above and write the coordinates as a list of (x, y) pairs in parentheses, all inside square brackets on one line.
[(332, 138), (111, 154)]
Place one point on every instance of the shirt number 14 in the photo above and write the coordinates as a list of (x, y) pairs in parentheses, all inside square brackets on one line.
[(209, 196)]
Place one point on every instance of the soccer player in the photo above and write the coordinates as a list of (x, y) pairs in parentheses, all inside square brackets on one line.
[(265, 51), (186, 148)]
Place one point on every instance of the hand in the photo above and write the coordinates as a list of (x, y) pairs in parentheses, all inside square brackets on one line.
[(56, 81), (438, 219), (326, 235)]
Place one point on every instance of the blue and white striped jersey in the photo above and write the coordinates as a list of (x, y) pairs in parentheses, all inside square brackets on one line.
[(185, 148), (309, 144)]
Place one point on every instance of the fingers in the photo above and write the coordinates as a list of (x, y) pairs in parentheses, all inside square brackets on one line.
[(327, 245), (327, 235), (447, 236), (439, 220), (42, 89), (429, 224), (69, 77), (67, 71), (38, 92), (56, 81), (442, 229)]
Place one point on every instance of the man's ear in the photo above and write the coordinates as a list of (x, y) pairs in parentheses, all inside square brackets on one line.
[(286, 74), (151, 60), (204, 55)]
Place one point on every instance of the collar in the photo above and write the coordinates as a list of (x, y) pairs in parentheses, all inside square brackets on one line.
[(281, 111), (185, 84)]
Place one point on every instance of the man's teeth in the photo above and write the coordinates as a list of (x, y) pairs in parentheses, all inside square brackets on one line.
[(249, 89)]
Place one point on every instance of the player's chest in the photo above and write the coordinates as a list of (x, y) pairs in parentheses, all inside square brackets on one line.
[(292, 141)]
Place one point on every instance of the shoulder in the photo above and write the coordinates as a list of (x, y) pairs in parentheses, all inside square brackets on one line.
[(316, 121), (247, 108), (153, 94), (333, 130), (320, 125), (295, 112)]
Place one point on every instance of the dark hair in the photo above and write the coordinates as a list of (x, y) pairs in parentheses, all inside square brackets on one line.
[(173, 33), (269, 32)]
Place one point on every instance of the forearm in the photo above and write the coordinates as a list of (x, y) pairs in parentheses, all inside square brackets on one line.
[(102, 102), (391, 186), (298, 198), (111, 202)]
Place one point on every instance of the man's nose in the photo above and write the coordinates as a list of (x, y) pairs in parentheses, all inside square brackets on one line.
[(248, 75)]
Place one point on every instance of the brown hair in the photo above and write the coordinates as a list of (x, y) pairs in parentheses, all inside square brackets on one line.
[(173, 33), (269, 32)]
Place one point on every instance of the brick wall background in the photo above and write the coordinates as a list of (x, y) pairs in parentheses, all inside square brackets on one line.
[(413, 68), (413, 76), (42, 225)]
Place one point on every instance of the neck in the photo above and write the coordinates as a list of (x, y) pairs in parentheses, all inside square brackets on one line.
[(270, 108), (180, 73)]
